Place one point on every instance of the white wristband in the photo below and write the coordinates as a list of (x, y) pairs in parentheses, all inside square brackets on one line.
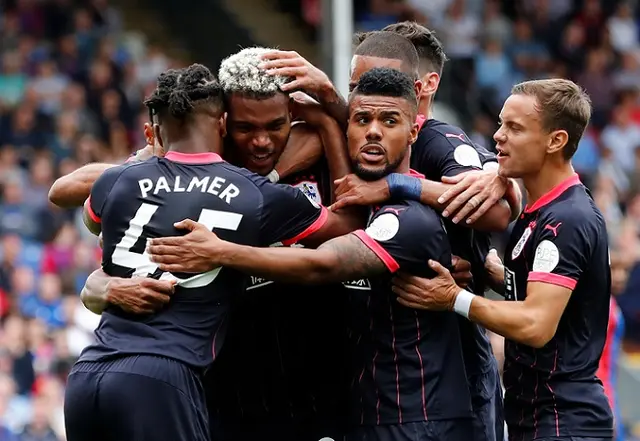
[(462, 305), (273, 176)]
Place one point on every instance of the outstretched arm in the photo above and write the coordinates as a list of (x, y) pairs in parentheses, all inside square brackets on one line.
[(343, 258), (72, 190), (355, 191)]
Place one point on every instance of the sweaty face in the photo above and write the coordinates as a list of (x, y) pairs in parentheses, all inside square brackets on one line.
[(380, 132), (361, 64), (521, 140), (259, 130)]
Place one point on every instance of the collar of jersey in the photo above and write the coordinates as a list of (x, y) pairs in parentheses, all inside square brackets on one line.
[(554, 193), (193, 158)]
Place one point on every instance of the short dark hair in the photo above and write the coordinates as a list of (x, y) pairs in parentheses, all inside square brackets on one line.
[(384, 81), (392, 46), (562, 104), (430, 49), (179, 91)]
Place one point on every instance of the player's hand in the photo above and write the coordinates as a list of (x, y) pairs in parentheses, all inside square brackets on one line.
[(472, 195), (351, 190), (461, 271), (494, 266), (139, 295), (307, 77), (437, 294), (192, 253)]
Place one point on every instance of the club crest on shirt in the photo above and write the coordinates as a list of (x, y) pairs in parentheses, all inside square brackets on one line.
[(384, 227), (521, 243), (362, 284), (547, 257), (311, 191)]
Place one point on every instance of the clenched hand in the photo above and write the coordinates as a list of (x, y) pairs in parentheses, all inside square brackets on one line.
[(351, 190)]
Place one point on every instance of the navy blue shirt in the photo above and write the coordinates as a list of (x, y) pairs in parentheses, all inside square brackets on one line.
[(284, 359), (138, 201), (444, 150), (553, 391), (408, 363)]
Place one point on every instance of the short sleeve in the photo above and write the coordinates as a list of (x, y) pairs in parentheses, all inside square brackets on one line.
[(287, 215), (444, 154), (488, 159), (563, 247), (101, 189), (406, 237)]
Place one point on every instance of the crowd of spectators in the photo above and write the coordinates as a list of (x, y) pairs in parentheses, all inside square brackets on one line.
[(71, 87)]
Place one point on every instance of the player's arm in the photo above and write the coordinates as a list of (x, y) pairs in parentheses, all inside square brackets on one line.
[(364, 253), (134, 295), (355, 191), (72, 190), (495, 271), (560, 259)]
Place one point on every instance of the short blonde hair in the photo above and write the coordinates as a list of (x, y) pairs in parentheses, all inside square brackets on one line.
[(562, 104), (239, 73)]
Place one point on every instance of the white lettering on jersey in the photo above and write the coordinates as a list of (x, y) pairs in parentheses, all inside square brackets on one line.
[(258, 282), (521, 243), (310, 190), (510, 289), (467, 156), (546, 258), (216, 186), (384, 227), (362, 284)]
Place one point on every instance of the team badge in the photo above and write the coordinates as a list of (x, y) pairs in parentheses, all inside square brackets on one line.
[(384, 227), (521, 243), (546, 258), (467, 156), (311, 191)]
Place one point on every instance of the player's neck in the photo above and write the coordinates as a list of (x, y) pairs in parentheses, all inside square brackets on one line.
[(425, 108), (546, 180), (196, 143), (405, 166)]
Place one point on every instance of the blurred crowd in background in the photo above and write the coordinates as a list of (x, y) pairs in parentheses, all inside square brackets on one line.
[(72, 82)]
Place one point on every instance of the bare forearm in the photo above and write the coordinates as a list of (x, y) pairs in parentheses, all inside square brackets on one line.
[(72, 190), (495, 219), (335, 105), (513, 320), (94, 293), (335, 149), (291, 265)]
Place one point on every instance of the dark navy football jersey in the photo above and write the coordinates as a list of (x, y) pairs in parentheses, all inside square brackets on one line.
[(284, 359), (139, 201), (408, 363), (444, 150), (553, 391)]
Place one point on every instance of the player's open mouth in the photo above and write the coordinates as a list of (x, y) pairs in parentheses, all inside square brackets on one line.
[(262, 157), (501, 154), (372, 153)]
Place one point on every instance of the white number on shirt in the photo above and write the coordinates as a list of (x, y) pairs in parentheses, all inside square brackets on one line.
[(143, 266)]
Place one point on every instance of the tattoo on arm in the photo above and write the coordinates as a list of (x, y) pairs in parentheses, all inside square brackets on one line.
[(356, 259)]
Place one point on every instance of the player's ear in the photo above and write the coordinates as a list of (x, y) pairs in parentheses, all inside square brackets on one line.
[(157, 135), (414, 133), (148, 134), (223, 124), (430, 83), (557, 140)]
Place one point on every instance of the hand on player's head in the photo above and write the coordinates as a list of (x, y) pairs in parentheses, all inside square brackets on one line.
[(306, 76), (195, 252)]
